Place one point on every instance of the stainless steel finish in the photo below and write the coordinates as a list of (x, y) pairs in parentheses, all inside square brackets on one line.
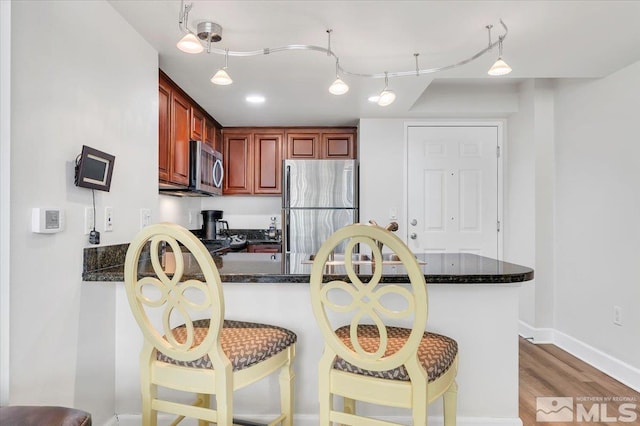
[(321, 183), (209, 31), (206, 173), (307, 229), (413, 236), (414, 222), (319, 197)]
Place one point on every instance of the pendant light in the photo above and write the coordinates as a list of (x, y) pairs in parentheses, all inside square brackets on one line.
[(190, 44), (387, 96), (338, 87), (499, 67), (222, 78)]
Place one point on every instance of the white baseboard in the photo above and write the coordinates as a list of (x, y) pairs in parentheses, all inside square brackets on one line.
[(312, 420), (619, 370)]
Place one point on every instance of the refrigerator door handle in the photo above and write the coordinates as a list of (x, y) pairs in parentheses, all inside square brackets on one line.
[(287, 188), (287, 231)]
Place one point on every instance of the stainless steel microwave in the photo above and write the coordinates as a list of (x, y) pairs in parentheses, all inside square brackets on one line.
[(206, 173)]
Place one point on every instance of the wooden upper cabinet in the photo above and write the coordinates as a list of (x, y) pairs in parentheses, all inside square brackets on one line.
[(267, 161), (210, 133), (321, 143), (197, 124), (339, 145), (238, 163), (303, 145), (164, 149), (180, 136)]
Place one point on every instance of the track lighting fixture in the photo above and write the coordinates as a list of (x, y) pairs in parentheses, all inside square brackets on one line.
[(387, 96), (222, 78), (338, 87), (210, 32), (499, 67)]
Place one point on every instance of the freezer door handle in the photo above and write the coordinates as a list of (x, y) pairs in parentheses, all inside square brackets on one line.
[(287, 188)]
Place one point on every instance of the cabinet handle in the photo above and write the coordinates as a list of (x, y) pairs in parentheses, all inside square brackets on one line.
[(413, 236)]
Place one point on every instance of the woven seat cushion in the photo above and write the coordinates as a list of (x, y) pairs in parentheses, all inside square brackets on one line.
[(436, 353), (244, 343)]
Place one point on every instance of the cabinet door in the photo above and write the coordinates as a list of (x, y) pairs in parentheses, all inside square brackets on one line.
[(303, 145), (264, 248), (267, 153), (197, 124), (164, 128), (339, 145), (238, 163), (210, 133), (179, 137)]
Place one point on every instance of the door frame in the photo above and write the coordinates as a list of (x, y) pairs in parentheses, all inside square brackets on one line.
[(501, 126), (5, 196)]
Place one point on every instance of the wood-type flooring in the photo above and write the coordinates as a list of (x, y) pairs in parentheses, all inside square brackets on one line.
[(548, 371)]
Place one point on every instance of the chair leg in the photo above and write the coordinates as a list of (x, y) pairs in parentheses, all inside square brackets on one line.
[(149, 393), (206, 403), (449, 402), (224, 396), (286, 389), (349, 405)]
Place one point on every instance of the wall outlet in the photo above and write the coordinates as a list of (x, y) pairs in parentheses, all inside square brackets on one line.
[(108, 219), (88, 220), (145, 217), (617, 315)]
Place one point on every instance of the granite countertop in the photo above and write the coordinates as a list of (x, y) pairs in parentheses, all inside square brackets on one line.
[(107, 264)]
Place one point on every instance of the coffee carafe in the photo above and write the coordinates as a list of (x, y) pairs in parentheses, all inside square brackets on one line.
[(210, 220)]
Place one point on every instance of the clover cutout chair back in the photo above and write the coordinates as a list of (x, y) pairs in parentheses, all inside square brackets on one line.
[(206, 356), (383, 355)]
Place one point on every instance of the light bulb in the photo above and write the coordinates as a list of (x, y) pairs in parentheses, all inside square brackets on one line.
[(500, 67), (338, 87), (190, 44), (221, 78), (386, 97)]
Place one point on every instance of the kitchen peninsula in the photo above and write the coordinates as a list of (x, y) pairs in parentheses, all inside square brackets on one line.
[(473, 299)]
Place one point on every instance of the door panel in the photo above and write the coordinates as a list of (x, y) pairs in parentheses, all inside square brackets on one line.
[(307, 229), (453, 189)]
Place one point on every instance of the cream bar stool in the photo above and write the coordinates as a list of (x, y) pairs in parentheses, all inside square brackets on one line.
[(369, 359), (208, 355)]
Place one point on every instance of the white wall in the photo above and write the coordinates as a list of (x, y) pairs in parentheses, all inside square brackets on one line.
[(530, 195), (88, 79), (245, 212), (598, 212)]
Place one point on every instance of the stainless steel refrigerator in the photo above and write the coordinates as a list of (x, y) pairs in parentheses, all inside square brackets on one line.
[(318, 198)]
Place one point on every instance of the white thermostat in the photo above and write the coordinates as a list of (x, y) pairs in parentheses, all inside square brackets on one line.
[(47, 220)]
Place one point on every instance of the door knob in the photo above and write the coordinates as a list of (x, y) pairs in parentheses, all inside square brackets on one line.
[(414, 222), (413, 236)]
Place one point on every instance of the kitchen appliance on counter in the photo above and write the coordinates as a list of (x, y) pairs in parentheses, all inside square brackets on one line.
[(318, 198), (213, 227), (205, 173)]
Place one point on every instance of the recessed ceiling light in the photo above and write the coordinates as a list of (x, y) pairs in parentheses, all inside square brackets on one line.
[(255, 99)]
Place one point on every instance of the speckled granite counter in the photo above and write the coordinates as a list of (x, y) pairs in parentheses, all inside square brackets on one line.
[(107, 264)]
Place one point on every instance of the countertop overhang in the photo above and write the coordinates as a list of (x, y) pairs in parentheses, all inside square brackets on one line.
[(438, 268)]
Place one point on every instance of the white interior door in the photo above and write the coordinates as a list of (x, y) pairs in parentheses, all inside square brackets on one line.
[(453, 187)]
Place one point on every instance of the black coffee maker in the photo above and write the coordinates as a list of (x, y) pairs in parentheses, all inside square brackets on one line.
[(213, 227)]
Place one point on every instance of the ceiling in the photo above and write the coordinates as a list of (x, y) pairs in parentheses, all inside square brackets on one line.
[(546, 39)]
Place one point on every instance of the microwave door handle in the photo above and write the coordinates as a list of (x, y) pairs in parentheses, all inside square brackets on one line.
[(218, 182)]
